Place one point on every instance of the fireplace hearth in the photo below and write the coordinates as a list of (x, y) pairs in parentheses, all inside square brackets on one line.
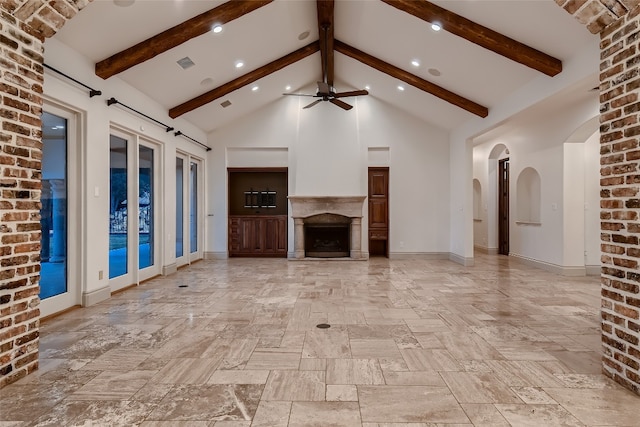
[(327, 226)]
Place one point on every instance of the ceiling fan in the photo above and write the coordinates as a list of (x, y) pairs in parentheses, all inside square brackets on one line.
[(325, 91)]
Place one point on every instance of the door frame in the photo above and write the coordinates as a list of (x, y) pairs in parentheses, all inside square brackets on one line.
[(76, 210), (503, 206)]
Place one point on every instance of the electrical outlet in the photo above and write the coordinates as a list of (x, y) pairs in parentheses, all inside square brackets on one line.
[(100, 274)]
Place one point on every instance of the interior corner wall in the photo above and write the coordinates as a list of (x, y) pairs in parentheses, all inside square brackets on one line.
[(328, 155)]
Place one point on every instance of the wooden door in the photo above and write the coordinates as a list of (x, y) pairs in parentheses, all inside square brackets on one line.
[(379, 211), (503, 206)]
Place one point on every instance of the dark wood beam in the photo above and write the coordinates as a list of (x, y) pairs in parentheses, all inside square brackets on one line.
[(244, 80), (480, 35), (411, 79), (175, 36), (325, 30)]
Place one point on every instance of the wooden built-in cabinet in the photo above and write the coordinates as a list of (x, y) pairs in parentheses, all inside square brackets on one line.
[(378, 211), (258, 212), (258, 235)]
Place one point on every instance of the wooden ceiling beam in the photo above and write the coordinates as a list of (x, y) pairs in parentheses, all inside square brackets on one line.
[(325, 30), (411, 79), (480, 35), (244, 80), (175, 36)]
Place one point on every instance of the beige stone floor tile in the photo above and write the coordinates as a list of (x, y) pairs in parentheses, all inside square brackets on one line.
[(273, 360), (113, 385), (326, 343), (295, 386), (417, 404), (100, 413), (272, 414), (341, 393), (610, 406), (152, 392), (186, 371), (538, 415), (393, 364), (430, 360), (472, 387), (428, 378), (374, 348), (354, 371), (176, 424), (313, 364), (225, 423), (238, 377), (523, 373), (212, 402), (484, 415), (533, 396), (324, 414)]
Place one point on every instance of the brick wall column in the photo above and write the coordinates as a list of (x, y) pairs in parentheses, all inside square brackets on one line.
[(21, 80), (23, 26), (620, 198)]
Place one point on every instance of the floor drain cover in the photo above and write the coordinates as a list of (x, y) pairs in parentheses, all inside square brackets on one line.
[(183, 286), (323, 326)]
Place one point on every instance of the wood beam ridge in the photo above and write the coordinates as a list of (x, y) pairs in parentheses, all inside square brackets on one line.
[(245, 79), (480, 35), (175, 36), (411, 79)]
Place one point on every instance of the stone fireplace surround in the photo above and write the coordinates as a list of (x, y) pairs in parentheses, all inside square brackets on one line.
[(303, 207)]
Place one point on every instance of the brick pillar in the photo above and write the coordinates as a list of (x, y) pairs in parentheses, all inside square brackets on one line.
[(620, 193), (23, 26), (21, 79)]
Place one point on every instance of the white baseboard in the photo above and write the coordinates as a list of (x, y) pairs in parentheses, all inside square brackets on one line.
[(486, 250), (550, 267), (169, 269), (216, 255), (593, 270), (94, 297), (464, 261), (418, 255)]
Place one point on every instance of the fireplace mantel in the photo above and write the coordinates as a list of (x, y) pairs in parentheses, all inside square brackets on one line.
[(306, 206)]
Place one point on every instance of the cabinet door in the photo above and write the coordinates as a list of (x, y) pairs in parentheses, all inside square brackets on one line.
[(235, 236), (378, 198)]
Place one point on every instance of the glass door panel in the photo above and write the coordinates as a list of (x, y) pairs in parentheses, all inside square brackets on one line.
[(118, 212), (53, 216), (193, 207), (145, 207), (179, 207)]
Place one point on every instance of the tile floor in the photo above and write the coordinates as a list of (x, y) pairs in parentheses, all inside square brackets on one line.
[(411, 344)]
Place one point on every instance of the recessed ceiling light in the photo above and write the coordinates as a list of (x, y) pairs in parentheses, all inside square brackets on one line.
[(288, 87), (206, 82), (367, 87), (239, 64), (124, 3), (255, 88), (436, 27), (415, 63), (434, 72), (400, 88), (303, 35), (217, 28)]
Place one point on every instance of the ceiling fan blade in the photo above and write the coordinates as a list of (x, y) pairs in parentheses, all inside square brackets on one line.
[(312, 104), (323, 87), (351, 93), (340, 104), (299, 94)]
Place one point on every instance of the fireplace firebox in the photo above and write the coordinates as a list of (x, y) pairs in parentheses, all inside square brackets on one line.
[(326, 240)]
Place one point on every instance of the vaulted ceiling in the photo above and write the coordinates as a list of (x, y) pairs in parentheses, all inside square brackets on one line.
[(485, 51)]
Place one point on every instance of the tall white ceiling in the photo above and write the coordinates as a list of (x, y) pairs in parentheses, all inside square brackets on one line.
[(103, 28)]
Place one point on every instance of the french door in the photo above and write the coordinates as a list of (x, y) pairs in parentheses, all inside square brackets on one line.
[(134, 202), (189, 209), (60, 218)]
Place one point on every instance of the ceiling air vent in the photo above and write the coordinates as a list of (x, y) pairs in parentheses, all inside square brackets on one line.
[(225, 104), (186, 62)]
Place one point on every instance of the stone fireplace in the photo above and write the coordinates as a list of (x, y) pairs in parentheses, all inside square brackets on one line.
[(327, 226)]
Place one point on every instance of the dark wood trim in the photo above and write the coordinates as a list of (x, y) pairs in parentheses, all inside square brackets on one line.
[(325, 23), (175, 36), (278, 169), (244, 80), (411, 79), (480, 35)]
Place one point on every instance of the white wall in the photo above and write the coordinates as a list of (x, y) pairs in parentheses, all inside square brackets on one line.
[(328, 154), (96, 119)]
